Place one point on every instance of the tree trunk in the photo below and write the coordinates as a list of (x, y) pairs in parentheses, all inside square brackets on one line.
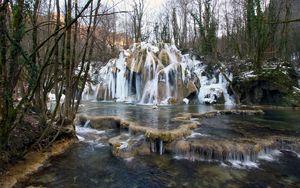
[(68, 71)]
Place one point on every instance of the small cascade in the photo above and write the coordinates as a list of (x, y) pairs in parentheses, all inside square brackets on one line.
[(205, 149), (161, 147), (153, 146), (145, 74), (157, 146), (89, 92), (87, 124), (214, 89)]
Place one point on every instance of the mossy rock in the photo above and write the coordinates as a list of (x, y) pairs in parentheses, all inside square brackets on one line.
[(164, 57), (268, 87)]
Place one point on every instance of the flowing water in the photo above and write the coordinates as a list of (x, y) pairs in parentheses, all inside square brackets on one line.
[(90, 162), (146, 74)]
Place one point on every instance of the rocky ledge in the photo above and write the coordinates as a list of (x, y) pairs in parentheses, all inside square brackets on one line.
[(140, 140)]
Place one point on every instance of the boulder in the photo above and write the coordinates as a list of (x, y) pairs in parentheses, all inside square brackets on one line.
[(180, 88), (191, 87), (289, 153)]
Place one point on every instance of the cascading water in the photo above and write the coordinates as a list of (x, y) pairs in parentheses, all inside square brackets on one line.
[(146, 74)]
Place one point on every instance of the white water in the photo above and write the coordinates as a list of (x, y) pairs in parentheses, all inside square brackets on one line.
[(195, 135), (90, 136), (161, 147), (270, 155), (143, 79), (234, 159)]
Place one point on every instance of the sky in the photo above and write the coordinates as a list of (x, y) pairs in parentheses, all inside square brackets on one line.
[(125, 4), (153, 9), (150, 4)]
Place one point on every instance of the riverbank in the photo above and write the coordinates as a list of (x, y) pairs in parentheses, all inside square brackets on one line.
[(32, 162)]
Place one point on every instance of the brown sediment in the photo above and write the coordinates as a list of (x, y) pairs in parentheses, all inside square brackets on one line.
[(135, 146), (169, 137), (164, 135), (185, 129), (219, 149), (101, 122), (104, 122), (32, 162)]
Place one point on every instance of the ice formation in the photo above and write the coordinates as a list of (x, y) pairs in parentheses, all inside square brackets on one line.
[(148, 74)]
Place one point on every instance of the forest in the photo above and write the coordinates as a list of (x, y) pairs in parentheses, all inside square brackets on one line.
[(50, 52)]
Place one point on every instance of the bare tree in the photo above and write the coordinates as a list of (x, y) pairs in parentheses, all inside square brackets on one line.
[(137, 19)]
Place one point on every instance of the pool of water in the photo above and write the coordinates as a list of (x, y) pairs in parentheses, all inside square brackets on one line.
[(143, 115), (272, 123), (90, 163)]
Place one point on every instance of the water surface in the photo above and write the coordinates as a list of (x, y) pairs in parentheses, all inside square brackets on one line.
[(90, 163)]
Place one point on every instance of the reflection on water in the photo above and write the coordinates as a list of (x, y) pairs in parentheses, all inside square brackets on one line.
[(144, 115), (90, 162)]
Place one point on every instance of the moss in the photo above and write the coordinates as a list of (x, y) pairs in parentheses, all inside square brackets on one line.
[(101, 122), (166, 136), (291, 99), (164, 58), (270, 87), (32, 162), (140, 61)]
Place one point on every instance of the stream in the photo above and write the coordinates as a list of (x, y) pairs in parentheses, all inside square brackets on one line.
[(90, 162)]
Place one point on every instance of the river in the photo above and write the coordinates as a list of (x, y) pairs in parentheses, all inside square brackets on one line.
[(90, 162)]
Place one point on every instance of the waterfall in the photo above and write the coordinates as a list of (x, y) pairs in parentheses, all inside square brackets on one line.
[(161, 147), (86, 124), (153, 148), (157, 146), (145, 74)]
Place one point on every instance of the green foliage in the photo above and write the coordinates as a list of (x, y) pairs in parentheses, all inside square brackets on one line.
[(207, 30), (291, 99), (260, 28)]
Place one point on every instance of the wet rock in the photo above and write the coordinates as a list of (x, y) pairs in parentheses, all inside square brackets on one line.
[(161, 91), (206, 148), (160, 66), (126, 146), (164, 57), (220, 99), (101, 122), (114, 70), (272, 86), (289, 153), (164, 135), (172, 100), (191, 88), (179, 94), (102, 93)]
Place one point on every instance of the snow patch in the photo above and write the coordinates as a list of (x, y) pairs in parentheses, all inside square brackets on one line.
[(186, 101)]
